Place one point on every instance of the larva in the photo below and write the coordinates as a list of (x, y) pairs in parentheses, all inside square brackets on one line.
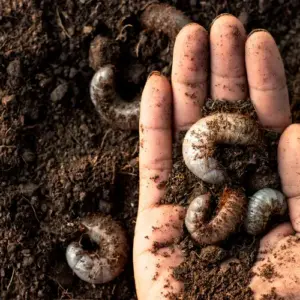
[(109, 104), (221, 128), (261, 207), (107, 262), (230, 213)]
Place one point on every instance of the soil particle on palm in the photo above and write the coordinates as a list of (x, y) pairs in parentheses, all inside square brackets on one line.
[(60, 161)]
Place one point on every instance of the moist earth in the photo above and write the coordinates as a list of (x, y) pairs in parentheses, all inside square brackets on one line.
[(60, 161)]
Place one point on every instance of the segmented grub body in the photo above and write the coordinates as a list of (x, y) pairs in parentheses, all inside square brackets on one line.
[(221, 128), (109, 104), (230, 213), (107, 262), (261, 207), (164, 18), (111, 107)]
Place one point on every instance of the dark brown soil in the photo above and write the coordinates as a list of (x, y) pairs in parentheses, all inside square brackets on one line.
[(59, 161)]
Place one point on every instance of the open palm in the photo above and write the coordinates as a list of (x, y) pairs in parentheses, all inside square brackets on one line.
[(239, 67)]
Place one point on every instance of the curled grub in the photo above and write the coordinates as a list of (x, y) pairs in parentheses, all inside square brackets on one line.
[(104, 52), (261, 207), (230, 213), (111, 107), (221, 128), (103, 264)]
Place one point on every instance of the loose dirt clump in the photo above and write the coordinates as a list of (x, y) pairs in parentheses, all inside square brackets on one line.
[(59, 161)]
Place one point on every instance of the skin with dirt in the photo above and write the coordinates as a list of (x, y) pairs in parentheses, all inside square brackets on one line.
[(60, 161)]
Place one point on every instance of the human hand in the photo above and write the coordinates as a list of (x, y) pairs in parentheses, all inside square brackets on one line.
[(238, 67), (278, 267)]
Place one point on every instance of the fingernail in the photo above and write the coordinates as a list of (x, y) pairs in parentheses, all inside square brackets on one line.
[(257, 30), (193, 23), (217, 17), (154, 73)]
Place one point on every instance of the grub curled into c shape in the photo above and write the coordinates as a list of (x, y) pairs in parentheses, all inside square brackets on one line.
[(105, 263), (230, 213), (103, 52), (261, 207), (221, 128)]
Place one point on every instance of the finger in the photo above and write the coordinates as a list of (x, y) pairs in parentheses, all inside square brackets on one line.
[(289, 170), (269, 241), (227, 52), (155, 140), (189, 75), (267, 82)]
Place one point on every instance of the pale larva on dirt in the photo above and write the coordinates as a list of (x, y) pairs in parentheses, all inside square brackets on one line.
[(261, 207), (230, 213), (111, 107), (221, 128), (104, 52), (105, 263)]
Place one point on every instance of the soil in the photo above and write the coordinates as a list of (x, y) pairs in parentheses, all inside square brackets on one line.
[(60, 161)]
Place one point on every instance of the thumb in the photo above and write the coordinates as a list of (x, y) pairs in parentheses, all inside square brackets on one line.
[(269, 241), (289, 170)]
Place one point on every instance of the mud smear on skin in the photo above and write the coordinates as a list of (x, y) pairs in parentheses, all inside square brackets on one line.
[(44, 45)]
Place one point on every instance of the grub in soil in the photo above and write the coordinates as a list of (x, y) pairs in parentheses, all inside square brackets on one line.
[(227, 277), (116, 111), (43, 142)]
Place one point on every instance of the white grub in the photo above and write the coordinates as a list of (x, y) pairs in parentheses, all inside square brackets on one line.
[(261, 207), (104, 51), (111, 107), (201, 139), (108, 261), (230, 213)]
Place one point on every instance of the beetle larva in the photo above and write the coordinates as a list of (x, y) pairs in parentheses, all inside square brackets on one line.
[(230, 213), (261, 207), (105, 263), (112, 108), (109, 104), (221, 128)]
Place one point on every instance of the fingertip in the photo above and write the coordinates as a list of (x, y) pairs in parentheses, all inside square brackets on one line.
[(156, 102), (260, 40), (258, 30), (227, 19), (189, 75), (191, 28), (156, 78), (153, 73), (218, 17), (267, 81), (227, 52)]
